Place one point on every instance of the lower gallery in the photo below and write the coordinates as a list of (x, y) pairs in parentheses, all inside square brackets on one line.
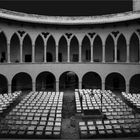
[(67, 77)]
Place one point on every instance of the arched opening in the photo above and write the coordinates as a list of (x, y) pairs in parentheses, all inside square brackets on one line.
[(51, 49), (121, 49), (97, 49), (115, 82), (15, 49), (91, 80), (68, 81), (62, 50), (74, 50), (27, 49), (45, 81), (3, 48), (134, 48), (86, 50), (22, 81), (3, 84), (135, 84), (39, 49), (109, 49)]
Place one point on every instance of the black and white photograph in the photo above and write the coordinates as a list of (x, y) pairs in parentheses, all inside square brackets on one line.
[(69, 69)]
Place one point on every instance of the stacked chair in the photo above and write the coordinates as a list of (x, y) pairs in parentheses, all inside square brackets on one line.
[(7, 99), (39, 114), (120, 120), (132, 99)]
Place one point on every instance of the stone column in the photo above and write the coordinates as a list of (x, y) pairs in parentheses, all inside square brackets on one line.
[(9, 88), (57, 86), (91, 52), (68, 52), (115, 52), (80, 84), (57, 53), (33, 53), (34, 86), (139, 51), (103, 55), (103, 85), (45, 51), (8, 52), (127, 88), (80, 52), (21, 52), (127, 55)]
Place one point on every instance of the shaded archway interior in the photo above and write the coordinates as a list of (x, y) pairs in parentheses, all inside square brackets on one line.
[(135, 84), (91, 80), (68, 81), (22, 82), (115, 82), (45, 81)]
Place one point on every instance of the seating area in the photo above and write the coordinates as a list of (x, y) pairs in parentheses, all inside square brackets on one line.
[(7, 99), (133, 99), (120, 120), (39, 114)]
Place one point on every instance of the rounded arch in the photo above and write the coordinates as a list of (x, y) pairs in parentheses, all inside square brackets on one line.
[(115, 82), (39, 49), (22, 81), (68, 81), (62, 49), (15, 48), (135, 84), (3, 48), (46, 81), (109, 49), (27, 49), (91, 80), (134, 48), (121, 48), (51, 49), (97, 49), (74, 49), (3, 84), (86, 49)]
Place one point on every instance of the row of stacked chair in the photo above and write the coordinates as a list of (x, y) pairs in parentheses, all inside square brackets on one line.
[(108, 128), (133, 99), (112, 106), (7, 99), (39, 114)]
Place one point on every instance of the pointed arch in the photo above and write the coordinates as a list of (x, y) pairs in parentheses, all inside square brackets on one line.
[(97, 49), (27, 49), (39, 49), (51, 49), (3, 48), (134, 48), (15, 48), (109, 49), (121, 48), (86, 49), (62, 49), (74, 49)]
